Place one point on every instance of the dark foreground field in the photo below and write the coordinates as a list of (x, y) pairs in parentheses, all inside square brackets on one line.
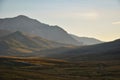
[(12, 68)]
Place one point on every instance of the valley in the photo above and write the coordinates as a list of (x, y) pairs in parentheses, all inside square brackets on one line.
[(31, 50), (18, 68)]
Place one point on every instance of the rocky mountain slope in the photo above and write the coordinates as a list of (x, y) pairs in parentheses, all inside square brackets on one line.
[(32, 26)]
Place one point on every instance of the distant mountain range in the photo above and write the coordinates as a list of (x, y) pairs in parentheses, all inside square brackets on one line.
[(104, 51), (86, 40), (32, 26), (23, 36)]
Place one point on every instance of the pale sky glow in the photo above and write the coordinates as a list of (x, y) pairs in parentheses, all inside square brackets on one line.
[(91, 18), (84, 15), (117, 22)]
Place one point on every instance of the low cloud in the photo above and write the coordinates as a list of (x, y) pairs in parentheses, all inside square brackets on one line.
[(90, 15), (117, 22)]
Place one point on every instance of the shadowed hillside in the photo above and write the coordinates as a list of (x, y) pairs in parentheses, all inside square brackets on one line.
[(104, 51), (4, 32)]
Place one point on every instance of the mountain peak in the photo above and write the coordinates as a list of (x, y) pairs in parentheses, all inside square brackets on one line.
[(22, 17)]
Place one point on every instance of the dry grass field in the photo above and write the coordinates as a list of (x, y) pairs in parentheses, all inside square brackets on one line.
[(13, 68)]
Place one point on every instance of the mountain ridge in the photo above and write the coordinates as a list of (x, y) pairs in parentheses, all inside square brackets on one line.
[(32, 26), (87, 40)]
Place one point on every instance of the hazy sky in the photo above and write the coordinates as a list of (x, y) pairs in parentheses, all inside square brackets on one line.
[(91, 18)]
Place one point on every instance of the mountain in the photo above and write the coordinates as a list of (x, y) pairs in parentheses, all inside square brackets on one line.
[(32, 26), (86, 40), (17, 42), (104, 51)]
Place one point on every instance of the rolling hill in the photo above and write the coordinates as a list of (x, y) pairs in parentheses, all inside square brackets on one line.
[(17, 42), (104, 51)]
